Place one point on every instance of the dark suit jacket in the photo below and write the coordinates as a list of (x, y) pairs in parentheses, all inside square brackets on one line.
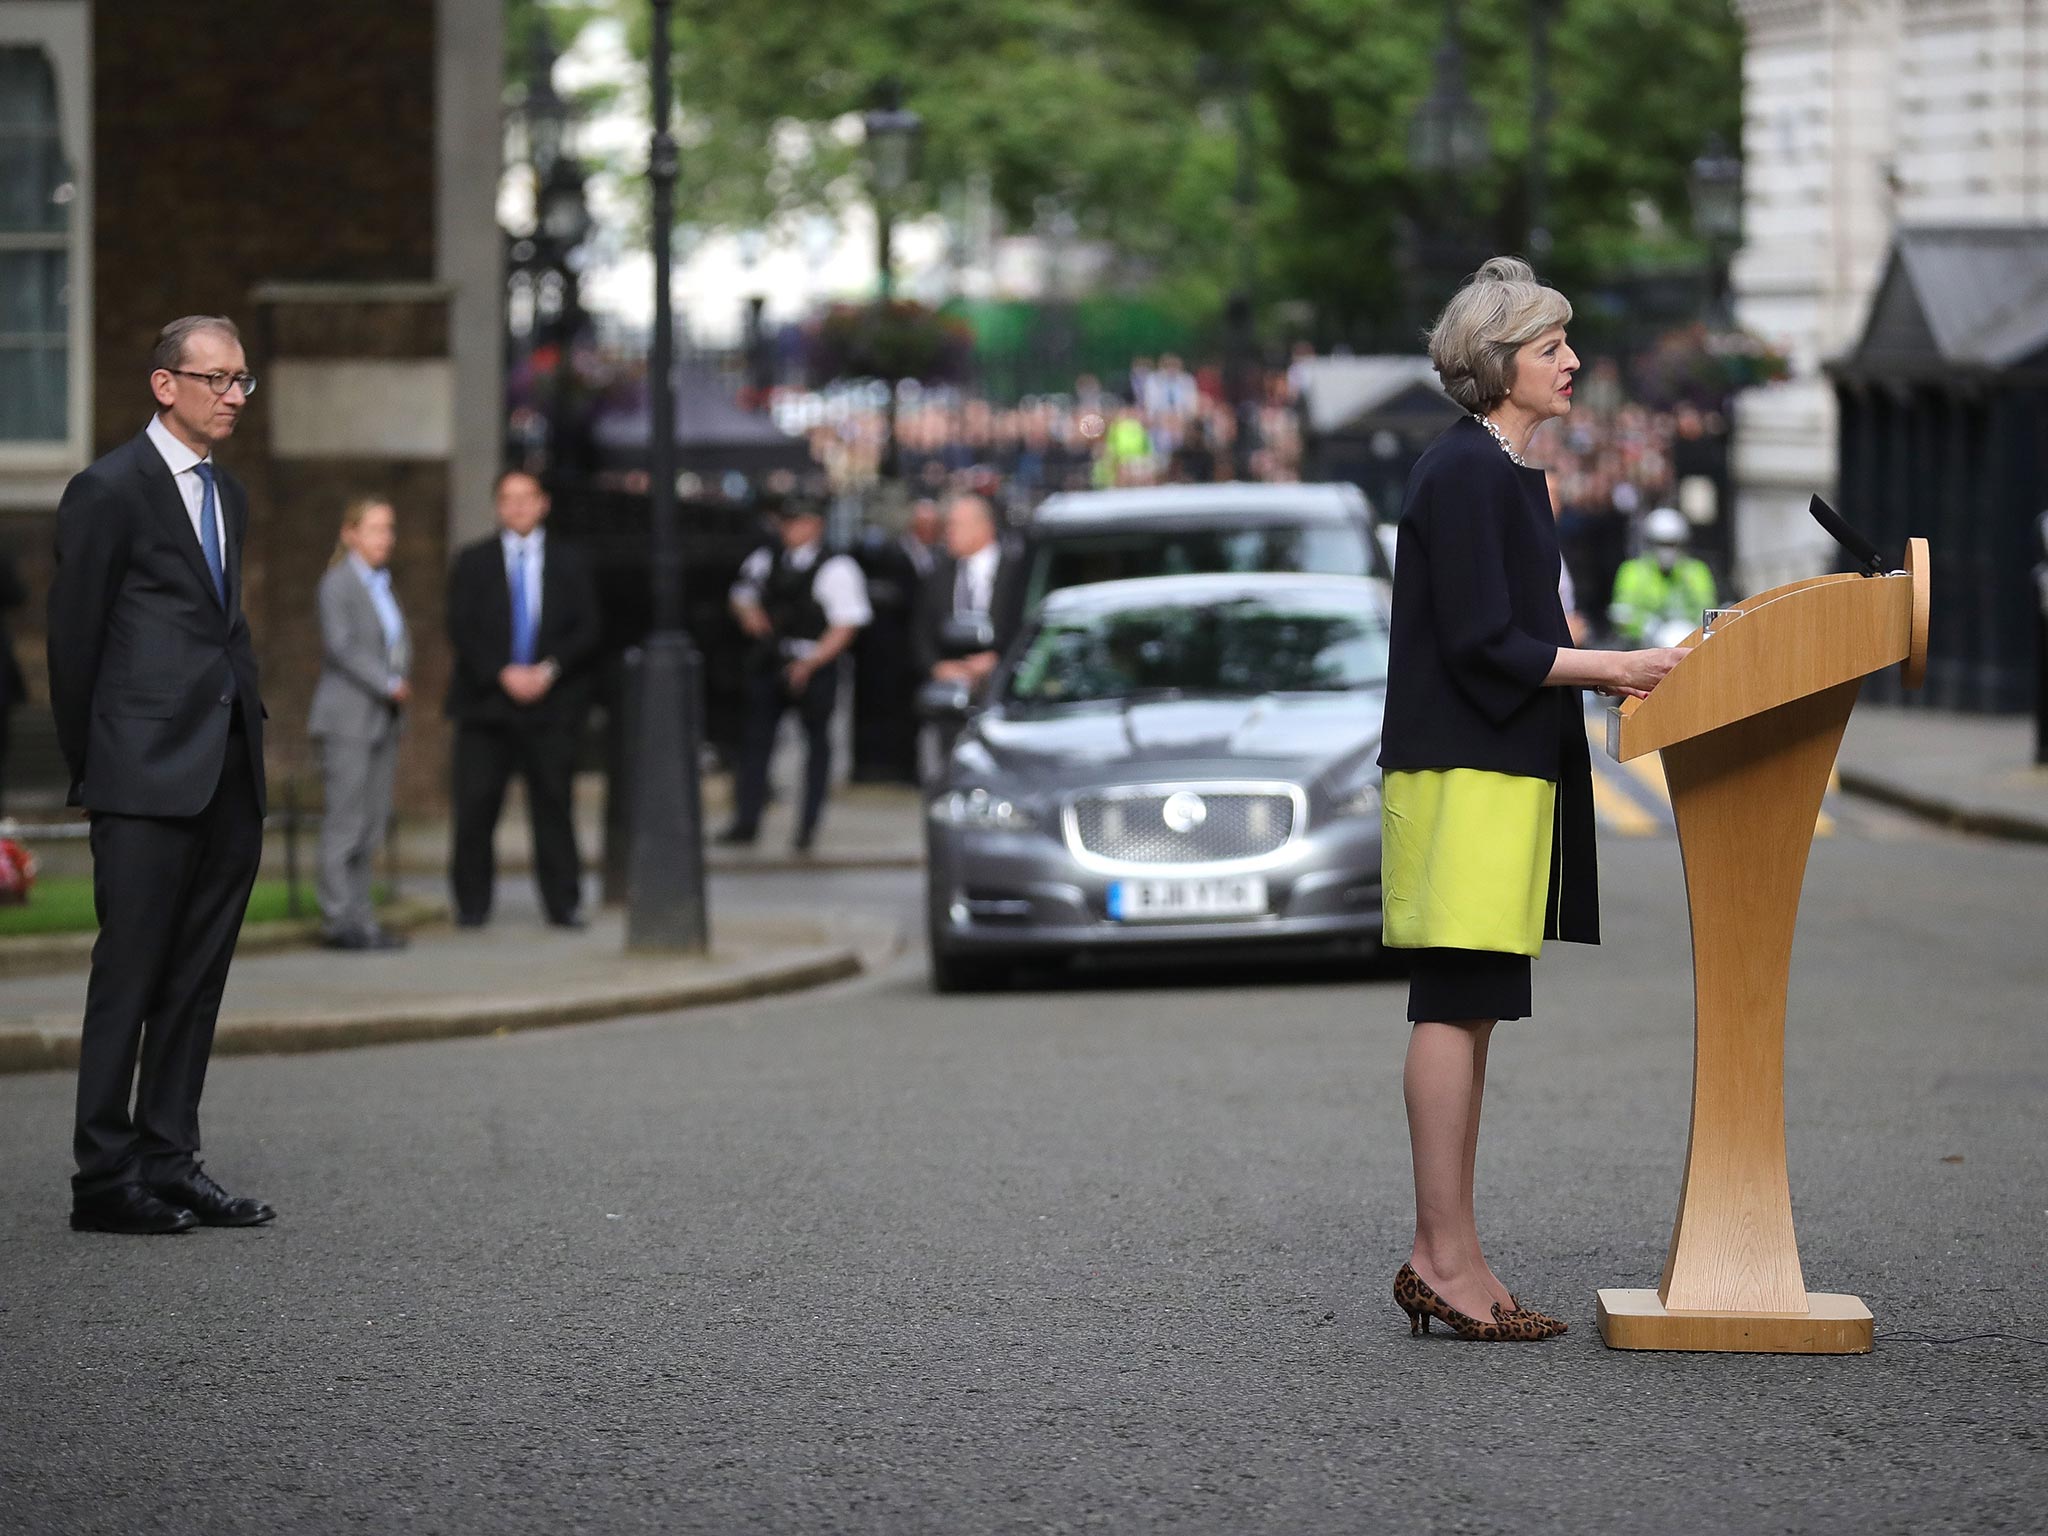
[(480, 630), (145, 664), (1476, 628), (935, 605)]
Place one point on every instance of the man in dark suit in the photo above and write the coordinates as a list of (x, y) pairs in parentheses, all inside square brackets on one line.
[(523, 620), (153, 684), (976, 575), (885, 670)]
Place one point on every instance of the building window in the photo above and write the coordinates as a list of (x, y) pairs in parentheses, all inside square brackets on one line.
[(45, 241), (37, 190)]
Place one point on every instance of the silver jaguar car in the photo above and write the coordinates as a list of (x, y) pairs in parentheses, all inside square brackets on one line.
[(1178, 760)]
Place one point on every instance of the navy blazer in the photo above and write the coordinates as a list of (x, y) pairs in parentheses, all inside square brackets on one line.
[(1477, 625), (146, 665)]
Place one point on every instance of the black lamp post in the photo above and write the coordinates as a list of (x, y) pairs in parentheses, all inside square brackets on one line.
[(1539, 128), (1715, 182), (893, 136), (665, 905), (1240, 315), (1447, 146)]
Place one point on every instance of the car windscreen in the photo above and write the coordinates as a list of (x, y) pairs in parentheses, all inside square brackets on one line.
[(1245, 645), (1313, 549)]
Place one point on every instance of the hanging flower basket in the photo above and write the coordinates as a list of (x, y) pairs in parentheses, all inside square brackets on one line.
[(898, 340), (1702, 367)]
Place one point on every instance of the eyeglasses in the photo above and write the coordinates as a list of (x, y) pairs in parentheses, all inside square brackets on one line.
[(220, 383)]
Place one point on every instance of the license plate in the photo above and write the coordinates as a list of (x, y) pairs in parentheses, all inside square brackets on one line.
[(1165, 901)]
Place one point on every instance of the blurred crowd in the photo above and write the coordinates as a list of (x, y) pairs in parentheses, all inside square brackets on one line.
[(1614, 461), (1160, 423)]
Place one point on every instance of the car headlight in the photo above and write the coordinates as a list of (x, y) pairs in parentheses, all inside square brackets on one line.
[(1362, 800), (979, 809)]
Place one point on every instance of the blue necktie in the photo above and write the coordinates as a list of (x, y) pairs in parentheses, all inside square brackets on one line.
[(522, 612), (209, 532)]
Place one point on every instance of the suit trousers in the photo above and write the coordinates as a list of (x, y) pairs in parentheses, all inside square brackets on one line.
[(767, 696), (170, 893), (356, 814), (543, 753)]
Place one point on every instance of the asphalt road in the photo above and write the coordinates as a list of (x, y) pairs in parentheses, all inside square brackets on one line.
[(1109, 1253)]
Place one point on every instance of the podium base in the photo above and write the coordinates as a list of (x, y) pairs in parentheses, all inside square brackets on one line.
[(1831, 1325)]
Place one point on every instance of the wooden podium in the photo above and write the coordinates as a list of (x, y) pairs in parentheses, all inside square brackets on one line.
[(1749, 725)]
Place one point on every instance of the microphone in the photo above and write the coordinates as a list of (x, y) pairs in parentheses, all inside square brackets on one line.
[(1865, 552)]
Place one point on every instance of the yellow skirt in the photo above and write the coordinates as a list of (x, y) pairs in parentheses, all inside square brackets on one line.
[(1465, 859)]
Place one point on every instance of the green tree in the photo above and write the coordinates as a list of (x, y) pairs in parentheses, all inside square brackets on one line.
[(1121, 110)]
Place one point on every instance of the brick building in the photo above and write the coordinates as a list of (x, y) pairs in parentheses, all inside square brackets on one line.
[(325, 172)]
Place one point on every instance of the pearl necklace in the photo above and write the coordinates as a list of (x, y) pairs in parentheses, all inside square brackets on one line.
[(1502, 438)]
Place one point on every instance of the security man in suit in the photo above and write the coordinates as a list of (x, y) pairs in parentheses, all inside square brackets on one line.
[(801, 608), (885, 671), (523, 621), (975, 576), (153, 684)]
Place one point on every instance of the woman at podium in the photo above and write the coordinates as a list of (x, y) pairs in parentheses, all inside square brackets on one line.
[(1488, 841)]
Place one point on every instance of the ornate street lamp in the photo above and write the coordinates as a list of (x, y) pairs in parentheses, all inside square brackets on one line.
[(1715, 182), (894, 134), (665, 905), (1447, 146), (1539, 128), (1447, 134), (546, 114)]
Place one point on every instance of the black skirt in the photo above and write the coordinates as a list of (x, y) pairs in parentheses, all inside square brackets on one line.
[(1451, 985)]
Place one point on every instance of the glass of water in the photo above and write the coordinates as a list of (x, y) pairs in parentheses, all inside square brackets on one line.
[(1712, 619)]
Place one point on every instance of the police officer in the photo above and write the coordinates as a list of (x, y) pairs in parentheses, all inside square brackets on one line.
[(801, 609), (1663, 586)]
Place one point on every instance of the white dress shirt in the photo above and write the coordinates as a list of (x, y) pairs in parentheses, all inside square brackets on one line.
[(182, 463), (974, 579), (377, 582), (838, 586), (535, 546)]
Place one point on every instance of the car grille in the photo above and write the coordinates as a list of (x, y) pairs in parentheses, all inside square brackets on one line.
[(1173, 825)]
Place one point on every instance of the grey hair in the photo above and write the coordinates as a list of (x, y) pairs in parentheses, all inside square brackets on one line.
[(1501, 309), (171, 340)]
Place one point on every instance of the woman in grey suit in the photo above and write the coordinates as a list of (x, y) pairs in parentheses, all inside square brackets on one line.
[(358, 708)]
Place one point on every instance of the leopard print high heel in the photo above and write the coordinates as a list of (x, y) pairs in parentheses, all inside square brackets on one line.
[(1514, 1308), (1413, 1295)]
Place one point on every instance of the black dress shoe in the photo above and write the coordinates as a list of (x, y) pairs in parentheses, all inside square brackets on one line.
[(471, 919), (570, 920), (380, 937), (131, 1209), (734, 837), (347, 938), (212, 1205)]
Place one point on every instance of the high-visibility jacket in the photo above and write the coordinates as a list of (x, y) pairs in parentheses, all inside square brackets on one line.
[(1645, 594)]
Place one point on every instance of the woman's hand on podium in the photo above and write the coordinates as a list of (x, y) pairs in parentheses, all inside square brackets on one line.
[(1637, 672), (1617, 674)]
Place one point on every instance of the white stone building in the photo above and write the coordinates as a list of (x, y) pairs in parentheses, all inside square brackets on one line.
[(1861, 116)]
